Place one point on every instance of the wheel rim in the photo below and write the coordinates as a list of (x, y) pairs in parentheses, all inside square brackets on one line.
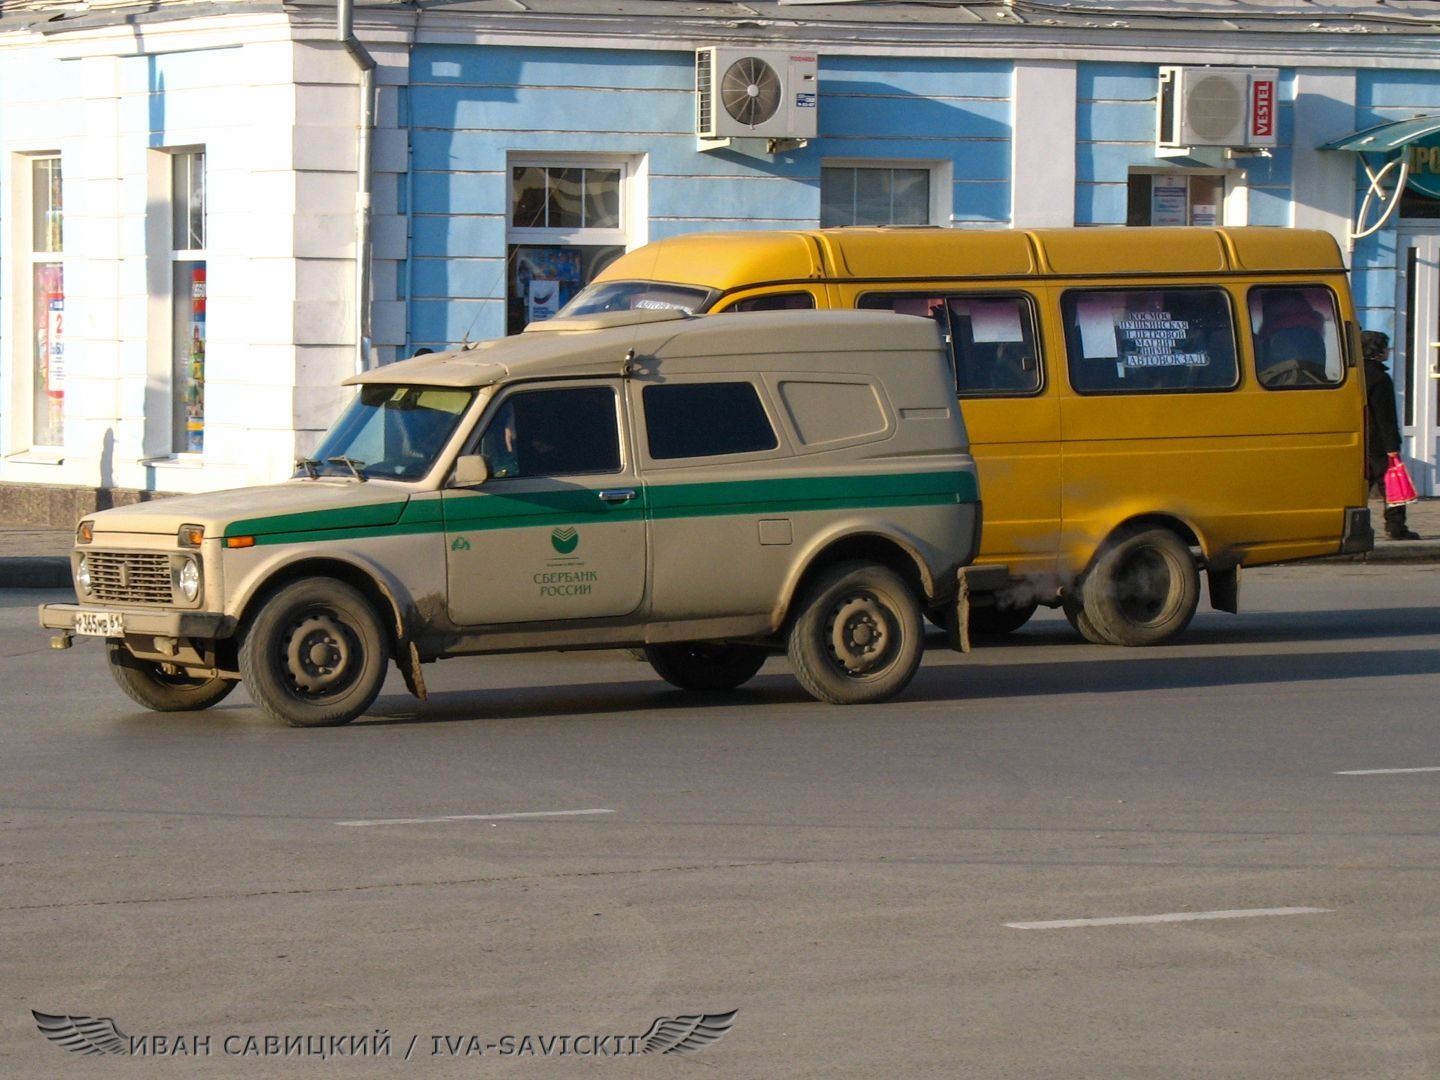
[(1146, 585), (319, 656), (861, 635)]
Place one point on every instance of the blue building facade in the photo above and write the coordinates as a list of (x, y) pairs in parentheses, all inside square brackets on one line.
[(510, 154)]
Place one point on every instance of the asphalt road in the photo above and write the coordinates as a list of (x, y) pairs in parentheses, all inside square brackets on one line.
[(849, 879)]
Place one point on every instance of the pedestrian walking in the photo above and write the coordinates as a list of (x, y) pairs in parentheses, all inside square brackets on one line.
[(1383, 427)]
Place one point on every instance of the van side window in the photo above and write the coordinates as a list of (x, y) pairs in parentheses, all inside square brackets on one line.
[(993, 345), (1149, 341), (705, 419), (553, 433), (1296, 337), (790, 301)]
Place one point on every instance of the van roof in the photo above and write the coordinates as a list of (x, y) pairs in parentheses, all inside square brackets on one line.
[(729, 260), (607, 344)]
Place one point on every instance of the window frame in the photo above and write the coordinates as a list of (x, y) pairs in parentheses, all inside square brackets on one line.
[(1030, 315), (759, 396), (1232, 207), (35, 255), (1068, 312), (182, 211), (938, 208), (496, 408)]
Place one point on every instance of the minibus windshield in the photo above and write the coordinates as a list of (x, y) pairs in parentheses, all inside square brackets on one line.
[(605, 296)]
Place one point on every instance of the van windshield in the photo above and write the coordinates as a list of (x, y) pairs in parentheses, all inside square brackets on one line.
[(605, 296), (389, 432)]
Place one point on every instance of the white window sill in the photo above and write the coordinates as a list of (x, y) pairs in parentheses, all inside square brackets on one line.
[(174, 461), (38, 456)]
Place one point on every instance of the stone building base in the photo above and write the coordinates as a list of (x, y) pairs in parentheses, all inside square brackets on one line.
[(62, 507)]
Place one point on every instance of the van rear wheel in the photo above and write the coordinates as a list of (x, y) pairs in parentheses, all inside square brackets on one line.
[(1143, 589), (316, 654), (706, 665), (160, 687), (858, 636)]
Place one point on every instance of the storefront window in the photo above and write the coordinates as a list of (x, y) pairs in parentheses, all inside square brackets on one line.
[(1176, 199), (566, 223), (48, 292), (187, 258)]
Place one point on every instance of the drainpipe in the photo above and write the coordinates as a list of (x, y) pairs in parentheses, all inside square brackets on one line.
[(345, 32)]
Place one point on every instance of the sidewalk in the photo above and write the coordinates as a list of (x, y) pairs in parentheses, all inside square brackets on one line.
[(36, 558)]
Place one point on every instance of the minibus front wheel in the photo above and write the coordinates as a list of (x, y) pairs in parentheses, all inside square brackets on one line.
[(1143, 588)]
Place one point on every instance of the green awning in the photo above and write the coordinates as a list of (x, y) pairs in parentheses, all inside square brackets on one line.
[(1385, 138)]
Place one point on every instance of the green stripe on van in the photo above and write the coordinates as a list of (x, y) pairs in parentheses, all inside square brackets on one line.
[(570, 506)]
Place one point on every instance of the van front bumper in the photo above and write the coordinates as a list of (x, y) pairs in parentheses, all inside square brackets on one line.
[(202, 625)]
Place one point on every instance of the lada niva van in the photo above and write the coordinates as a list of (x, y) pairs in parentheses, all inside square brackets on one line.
[(706, 489)]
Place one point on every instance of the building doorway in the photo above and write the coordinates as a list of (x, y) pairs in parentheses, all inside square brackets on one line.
[(1416, 357)]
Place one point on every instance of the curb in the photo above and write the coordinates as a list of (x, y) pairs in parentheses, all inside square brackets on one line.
[(35, 572)]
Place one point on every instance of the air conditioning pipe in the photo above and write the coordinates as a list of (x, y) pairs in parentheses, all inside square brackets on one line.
[(365, 63)]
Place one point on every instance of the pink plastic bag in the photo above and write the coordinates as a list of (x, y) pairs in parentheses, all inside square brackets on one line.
[(1399, 489)]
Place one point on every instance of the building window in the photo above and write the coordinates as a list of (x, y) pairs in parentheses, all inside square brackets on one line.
[(1172, 198), (48, 298), (566, 223), (867, 195), (187, 258)]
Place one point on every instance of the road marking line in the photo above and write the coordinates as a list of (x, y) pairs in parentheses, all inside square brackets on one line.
[(1179, 916), (476, 817), (1386, 772)]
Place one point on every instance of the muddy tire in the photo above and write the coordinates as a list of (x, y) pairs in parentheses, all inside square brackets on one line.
[(857, 635), (1143, 588), (150, 685), (703, 665), (315, 655)]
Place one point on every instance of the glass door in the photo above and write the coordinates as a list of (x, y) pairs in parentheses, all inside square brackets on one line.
[(1416, 369)]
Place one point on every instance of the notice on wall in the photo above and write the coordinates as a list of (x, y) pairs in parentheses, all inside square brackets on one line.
[(543, 299), (1169, 200), (995, 322), (1155, 339)]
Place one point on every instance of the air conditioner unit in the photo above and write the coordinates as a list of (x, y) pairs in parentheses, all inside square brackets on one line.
[(755, 93), (1213, 106)]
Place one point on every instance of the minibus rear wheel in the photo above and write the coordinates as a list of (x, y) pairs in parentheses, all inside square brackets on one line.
[(1143, 588), (1074, 608)]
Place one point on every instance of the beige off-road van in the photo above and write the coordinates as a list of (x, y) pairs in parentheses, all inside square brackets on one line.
[(708, 489)]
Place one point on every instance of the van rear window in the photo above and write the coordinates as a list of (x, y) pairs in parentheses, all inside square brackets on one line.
[(705, 420)]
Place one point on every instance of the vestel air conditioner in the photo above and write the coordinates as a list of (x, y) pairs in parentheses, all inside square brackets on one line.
[(752, 93), (1205, 106)]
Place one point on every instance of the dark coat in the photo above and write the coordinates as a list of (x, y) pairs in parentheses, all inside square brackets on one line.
[(1382, 425)]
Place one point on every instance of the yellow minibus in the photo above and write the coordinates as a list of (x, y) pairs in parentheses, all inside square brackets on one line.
[(1143, 404)]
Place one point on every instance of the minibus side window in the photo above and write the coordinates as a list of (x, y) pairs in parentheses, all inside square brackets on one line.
[(1146, 341), (1296, 337), (791, 301), (993, 345)]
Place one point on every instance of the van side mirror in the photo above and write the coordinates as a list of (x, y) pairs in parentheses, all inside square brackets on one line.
[(471, 470)]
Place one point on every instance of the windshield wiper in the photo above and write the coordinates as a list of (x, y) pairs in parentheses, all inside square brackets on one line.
[(310, 465), (350, 463)]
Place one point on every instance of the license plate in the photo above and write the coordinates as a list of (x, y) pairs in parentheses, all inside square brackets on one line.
[(100, 623)]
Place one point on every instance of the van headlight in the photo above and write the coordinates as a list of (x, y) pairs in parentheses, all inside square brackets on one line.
[(187, 580), (82, 576)]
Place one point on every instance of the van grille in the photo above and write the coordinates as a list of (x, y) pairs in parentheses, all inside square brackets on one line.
[(130, 577)]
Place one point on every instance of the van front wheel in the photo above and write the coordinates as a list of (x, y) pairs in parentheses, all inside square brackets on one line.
[(315, 655), (1143, 588), (706, 665), (858, 635)]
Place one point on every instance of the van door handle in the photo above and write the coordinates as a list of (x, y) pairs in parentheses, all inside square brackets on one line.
[(617, 495)]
